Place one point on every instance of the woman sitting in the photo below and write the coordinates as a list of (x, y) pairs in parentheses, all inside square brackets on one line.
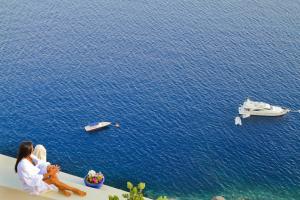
[(38, 176)]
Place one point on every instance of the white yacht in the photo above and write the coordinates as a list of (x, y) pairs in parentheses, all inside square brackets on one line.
[(96, 126), (260, 109)]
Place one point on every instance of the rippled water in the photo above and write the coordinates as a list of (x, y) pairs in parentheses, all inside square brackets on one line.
[(172, 73)]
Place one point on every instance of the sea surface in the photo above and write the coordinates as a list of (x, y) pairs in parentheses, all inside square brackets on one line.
[(172, 73)]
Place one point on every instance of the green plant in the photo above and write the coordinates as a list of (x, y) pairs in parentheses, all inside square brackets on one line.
[(135, 192), (115, 197), (162, 198)]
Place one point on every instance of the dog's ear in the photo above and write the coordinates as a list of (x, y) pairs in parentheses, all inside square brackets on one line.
[(40, 152)]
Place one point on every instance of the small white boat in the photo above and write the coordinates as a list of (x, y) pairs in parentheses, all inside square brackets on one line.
[(96, 126), (238, 121), (260, 109)]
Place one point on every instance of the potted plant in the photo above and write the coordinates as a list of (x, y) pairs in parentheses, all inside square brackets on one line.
[(94, 179)]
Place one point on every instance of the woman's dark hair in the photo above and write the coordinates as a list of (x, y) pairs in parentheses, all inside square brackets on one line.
[(25, 149)]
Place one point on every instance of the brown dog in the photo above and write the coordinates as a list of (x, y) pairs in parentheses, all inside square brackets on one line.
[(51, 178)]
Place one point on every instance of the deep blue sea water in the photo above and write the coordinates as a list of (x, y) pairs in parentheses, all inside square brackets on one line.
[(173, 74)]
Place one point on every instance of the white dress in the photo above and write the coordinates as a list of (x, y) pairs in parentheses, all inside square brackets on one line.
[(31, 176)]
